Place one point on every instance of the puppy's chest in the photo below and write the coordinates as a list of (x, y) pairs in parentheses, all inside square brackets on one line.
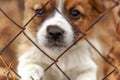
[(75, 57), (72, 63), (78, 55)]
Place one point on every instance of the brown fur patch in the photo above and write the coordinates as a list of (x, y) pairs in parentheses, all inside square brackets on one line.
[(31, 7)]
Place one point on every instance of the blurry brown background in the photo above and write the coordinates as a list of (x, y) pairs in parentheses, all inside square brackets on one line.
[(8, 31)]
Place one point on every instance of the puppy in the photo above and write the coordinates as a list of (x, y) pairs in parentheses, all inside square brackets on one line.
[(53, 32)]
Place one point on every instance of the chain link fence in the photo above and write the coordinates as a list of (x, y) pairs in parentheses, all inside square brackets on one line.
[(8, 58)]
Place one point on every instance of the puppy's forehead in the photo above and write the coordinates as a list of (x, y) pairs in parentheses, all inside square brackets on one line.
[(75, 1), (58, 3), (39, 3)]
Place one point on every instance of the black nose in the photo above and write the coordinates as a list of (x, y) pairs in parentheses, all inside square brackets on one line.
[(54, 32)]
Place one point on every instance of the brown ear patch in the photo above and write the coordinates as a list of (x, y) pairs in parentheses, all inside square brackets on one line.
[(98, 5)]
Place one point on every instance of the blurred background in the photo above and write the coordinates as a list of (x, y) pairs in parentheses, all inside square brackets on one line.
[(8, 30)]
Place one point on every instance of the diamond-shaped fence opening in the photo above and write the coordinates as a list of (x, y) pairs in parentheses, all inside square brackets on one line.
[(11, 30)]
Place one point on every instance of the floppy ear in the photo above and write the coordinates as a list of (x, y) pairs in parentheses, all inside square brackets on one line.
[(98, 5)]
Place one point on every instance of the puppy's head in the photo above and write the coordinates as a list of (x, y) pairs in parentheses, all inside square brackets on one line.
[(58, 22)]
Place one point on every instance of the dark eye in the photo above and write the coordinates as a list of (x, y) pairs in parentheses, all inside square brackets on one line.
[(40, 12), (75, 14)]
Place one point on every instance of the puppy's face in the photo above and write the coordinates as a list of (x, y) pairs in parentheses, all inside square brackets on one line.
[(57, 24)]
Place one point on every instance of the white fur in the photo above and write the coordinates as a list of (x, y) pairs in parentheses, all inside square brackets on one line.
[(79, 58), (59, 21)]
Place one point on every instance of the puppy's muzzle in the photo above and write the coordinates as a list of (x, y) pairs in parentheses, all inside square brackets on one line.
[(55, 33)]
